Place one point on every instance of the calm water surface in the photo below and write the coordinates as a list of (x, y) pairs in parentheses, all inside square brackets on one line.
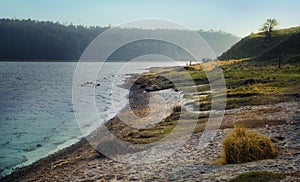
[(36, 110)]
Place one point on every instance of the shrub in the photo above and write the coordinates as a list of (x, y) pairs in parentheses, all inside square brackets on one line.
[(242, 145)]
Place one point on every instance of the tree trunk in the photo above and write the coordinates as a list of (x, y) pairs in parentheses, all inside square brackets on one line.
[(279, 61)]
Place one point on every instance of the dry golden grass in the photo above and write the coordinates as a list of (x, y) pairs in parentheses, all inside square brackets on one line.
[(228, 62), (243, 145)]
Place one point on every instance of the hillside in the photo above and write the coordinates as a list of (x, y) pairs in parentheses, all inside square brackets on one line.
[(284, 42), (35, 40)]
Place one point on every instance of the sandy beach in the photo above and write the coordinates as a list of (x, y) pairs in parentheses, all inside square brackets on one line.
[(80, 162)]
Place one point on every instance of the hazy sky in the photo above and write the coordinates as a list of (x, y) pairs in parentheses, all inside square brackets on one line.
[(239, 17)]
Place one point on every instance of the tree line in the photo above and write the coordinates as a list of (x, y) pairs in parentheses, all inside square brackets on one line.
[(38, 40)]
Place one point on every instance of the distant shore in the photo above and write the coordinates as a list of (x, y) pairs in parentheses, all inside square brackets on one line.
[(36, 60), (62, 60)]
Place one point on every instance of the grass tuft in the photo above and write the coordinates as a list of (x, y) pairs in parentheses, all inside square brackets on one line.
[(243, 145)]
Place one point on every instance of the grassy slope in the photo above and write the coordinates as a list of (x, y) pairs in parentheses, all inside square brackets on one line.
[(289, 49), (256, 45)]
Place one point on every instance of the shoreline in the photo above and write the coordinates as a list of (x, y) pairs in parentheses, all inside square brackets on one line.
[(60, 147), (70, 150), (72, 161), (81, 161), (80, 140), (37, 165)]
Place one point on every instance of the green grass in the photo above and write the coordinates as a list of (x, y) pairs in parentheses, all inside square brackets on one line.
[(156, 132), (258, 176), (256, 84), (168, 125), (256, 44), (200, 88)]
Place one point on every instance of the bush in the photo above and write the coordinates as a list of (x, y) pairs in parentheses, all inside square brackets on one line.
[(242, 145)]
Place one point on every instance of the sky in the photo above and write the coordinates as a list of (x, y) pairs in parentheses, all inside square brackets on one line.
[(239, 17)]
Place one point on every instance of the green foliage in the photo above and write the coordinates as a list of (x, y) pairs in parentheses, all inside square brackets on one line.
[(242, 145), (35, 40), (269, 26), (28, 39)]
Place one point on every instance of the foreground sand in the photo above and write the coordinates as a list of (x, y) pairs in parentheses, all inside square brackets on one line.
[(80, 162)]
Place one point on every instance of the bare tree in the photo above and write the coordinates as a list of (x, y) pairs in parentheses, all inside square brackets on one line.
[(269, 26)]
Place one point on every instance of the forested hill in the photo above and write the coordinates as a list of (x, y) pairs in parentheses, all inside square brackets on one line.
[(35, 40)]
